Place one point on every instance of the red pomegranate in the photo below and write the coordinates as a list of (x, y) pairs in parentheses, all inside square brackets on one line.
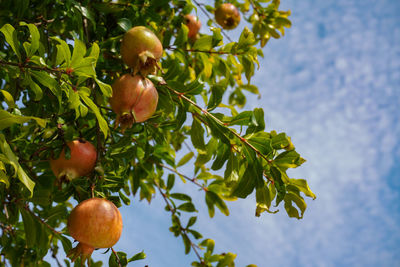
[(134, 99), (95, 223), (82, 161), (228, 16), (193, 24), (141, 49)]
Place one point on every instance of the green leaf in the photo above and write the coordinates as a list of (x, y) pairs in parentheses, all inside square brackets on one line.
[(217, 201), (188, 207), (280, 141), (231, 173), (35, 39), (122, 260), (8, 98), (36, 90), (102, 122), (106, 89), (63, 52), (7, 119), (302, 185), (125, 24), (282, 21), (181, 196), (197, 135), (242, 118), (289, 159), (186, 242), (11, 38), (47, 80), (217, 93), (170, 181), (22, 176), (223, 153), (138, 256), (246, 184), (86, 67), (29, 227), (191, 221), (207, 65), (209, 243), (182, 37), (204, 43), (124, 198), (78, 53), (185, 159), (291, 197), (261, 141), (4, 177)]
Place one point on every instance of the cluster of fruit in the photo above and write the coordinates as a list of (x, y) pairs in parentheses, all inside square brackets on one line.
[(134, 99)]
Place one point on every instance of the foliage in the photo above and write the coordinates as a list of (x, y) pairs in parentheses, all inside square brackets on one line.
[(58, 61)]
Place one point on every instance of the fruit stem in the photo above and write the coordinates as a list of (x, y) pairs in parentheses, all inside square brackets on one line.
[(81, 250)]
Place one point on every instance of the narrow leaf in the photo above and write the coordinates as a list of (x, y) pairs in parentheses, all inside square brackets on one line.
[(185, 159), (102, 122), (7, 119), (23, 177), (11, 38)]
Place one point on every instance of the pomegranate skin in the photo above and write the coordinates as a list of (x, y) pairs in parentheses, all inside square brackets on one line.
[(134, 99), (82, 161), (141, 49), (193, 24), (228, 16), (96, 223)]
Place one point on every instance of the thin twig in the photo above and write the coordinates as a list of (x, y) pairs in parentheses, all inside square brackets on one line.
[(41, 221), (116, 256), (24, 66), (193, 180), (54, 256), (183, 230)]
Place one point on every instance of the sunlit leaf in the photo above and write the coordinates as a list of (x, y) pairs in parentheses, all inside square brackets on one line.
[(11, 38)]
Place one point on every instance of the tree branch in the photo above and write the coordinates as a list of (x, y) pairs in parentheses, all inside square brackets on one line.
[(193, 180), (242, 139)]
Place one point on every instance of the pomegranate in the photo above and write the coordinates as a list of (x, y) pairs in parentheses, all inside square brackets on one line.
[(82, 161), (134, 99), (95, 223), (141, 49), (193, 24), (228, 16)]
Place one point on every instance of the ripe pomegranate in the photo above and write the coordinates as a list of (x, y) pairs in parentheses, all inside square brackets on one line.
[(82, 161), (141, 49), (193, 24), (95, 223), (228, 16), (134, 99)]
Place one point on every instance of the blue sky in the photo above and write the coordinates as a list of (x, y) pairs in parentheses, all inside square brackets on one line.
[(332, 84)]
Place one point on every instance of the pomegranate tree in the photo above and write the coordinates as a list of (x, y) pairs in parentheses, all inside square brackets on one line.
[(193, 24), (141, 49), (81, 163), (95, 223), (228, 16), (134, 99)]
